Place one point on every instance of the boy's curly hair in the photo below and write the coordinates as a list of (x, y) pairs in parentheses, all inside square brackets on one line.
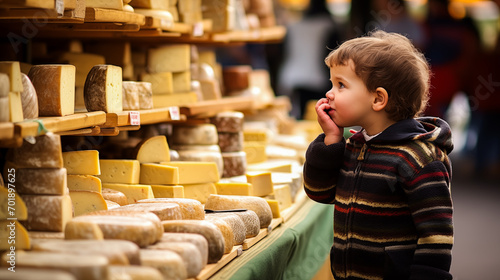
[(388, 60)]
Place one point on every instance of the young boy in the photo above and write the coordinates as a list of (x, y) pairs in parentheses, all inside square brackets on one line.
[(390, 182)]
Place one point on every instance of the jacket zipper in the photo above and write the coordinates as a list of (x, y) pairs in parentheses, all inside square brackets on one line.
[(360, 158)]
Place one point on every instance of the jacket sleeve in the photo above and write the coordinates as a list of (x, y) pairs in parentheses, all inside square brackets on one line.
[(322, 168), (430, 202)]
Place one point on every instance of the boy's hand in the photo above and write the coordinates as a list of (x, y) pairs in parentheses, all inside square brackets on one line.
[(333, 132)]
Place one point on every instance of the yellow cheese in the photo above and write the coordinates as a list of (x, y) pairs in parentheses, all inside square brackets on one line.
[(256, 152), (161, 83), (272, 166), (133, 192), (229, 202), (193, 172), (153, 150), (116, 196), (41, 181), (130, 96), (15, 107), (293, 179), (119, 171), (55, 88), (172, 191), (118, 252), (83, 229), (234, 188), (116, 226), (164, 211), (4, 109), (196, 239), (200, 191), (4, 84), (177, 99), (191, 209), (87, 201), (36, 273), (116, 52), (255, 135), (159, 174), (169, 263), (227, 233), (82, 162), (261, 181), (207, 229), (169, 58), (83, 63), (210, 89), (29, 98), (84, 183), (13, 234), (13, 70), (283, 195), (88, 267), (48, 212), (275, 208), (201, 134), (103, 89), (150, 4), (111, 204), (44, 153), (181, 81), (106, 4), (134, 272)]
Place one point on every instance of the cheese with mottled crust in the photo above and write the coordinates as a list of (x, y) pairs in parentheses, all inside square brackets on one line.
[(50, 181), (191, 209), (229, 202), (169, 263), (48, 212), (103, 89)]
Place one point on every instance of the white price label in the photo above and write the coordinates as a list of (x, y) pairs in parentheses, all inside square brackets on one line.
[(174, 113), (135, 118), (59, 6), (198, 29)]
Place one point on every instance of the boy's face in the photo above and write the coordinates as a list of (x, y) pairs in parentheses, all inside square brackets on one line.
[(349, 98)]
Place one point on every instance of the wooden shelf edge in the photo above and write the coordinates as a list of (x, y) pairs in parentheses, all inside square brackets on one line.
[(211, 107), (209, 270)]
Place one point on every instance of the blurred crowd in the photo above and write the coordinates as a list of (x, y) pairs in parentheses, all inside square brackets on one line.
[(463, 69)]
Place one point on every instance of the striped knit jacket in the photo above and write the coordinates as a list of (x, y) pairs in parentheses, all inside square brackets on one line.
[(393, 207)]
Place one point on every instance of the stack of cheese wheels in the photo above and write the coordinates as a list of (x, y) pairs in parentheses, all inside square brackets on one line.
[(85, 188), (230, 133), (197, 142), (137, 95), (40, 180), (11, 88)]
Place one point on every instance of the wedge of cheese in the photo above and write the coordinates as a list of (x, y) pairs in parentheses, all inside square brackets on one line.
[(15, 107), (161, 83), (261, 181), (168, 191), (133, 192), (12, 233), (85, 202), (153, 150), (84, 183), (234, 188), (13, 71), (55, 88), (103, 89), (159, 174)]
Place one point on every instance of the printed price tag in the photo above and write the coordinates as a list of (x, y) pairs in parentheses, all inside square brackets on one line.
[(135, 118), (174, 113), (198, 29), (60, 7)]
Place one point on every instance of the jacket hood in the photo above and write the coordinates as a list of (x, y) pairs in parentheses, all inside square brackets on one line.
[(429, 129)]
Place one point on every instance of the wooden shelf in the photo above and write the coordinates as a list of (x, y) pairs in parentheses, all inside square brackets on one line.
[(212, 107), (211, 269), (146, 117), (6, 130), (107, 15)]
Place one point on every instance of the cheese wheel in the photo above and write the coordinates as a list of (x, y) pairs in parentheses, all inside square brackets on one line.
[(29, 98), (228, 121), (189, 254), (83, 267), (130, 96), (111, 204), (196, 239), (169, 263), (41, 181), (116, 251), (137, 214), (235, 164), (103, 89), (5, 85), (83, 229), (164, 211), (235, 222), (256, 204), (48, 212), (44, 153), (231, 141), (191, 209), (85, 202), (153, 150), (138, 230), (210, 231), (36, 273), (12, 233), (202, 134), (227, 233), (251, 222), (55, 88), (145, 90), (134, 272), (115, 196), (236, 77)]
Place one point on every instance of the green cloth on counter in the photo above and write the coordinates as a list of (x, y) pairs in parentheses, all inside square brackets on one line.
[(294, 250)]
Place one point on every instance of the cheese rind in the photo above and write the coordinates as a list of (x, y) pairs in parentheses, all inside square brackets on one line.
[(130, 96), (103, 89), (84, 183), (82, 162), (229, 121), (169, 263), (153, 150), (235, 164), (133, 192), (169, 58), (29, 98), (50, 181), (251, 222), (55, 88), (45, 153), (190, 255), (164, 211), (200, 191), (85, 202), (119, 171), (191, 209), (13, 71), (114, 195), (13, 231), (203, 134), (227, 233), (48, 212), (145, 95), (196, 239), (210, 231), (235, 222), (228, 202), (134, 272)]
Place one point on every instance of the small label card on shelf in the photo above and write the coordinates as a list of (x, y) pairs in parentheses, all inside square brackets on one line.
[(198, 29), (135, 118), (174, 113)]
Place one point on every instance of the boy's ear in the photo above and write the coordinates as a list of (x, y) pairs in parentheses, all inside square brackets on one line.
[(381, 97)]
